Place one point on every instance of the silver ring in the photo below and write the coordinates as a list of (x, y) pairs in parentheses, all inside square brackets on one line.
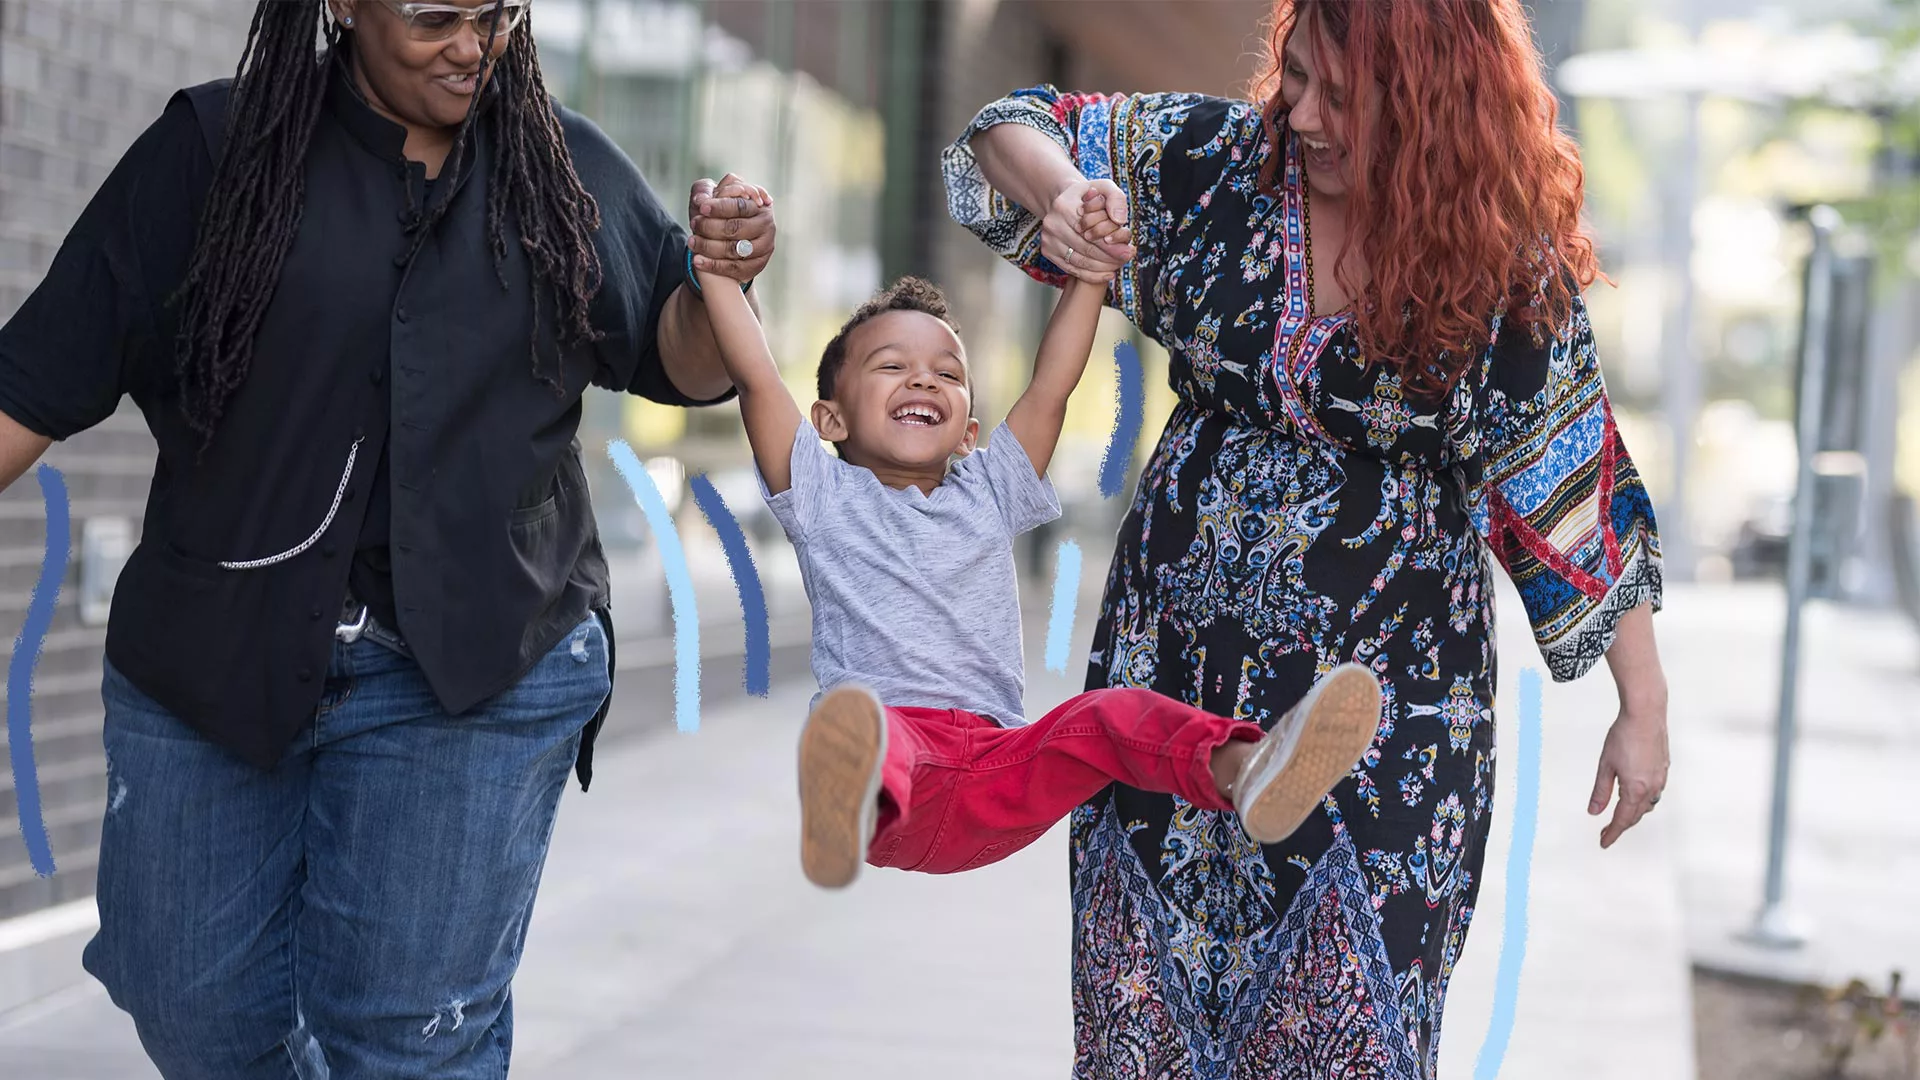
[(743, 248), (1072, 255)]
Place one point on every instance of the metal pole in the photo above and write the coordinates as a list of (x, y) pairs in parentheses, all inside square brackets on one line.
[(1774, 927)]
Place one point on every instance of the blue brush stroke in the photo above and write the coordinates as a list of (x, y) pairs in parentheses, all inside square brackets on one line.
[(686, 618), (746, 582), (26, 654), (1126, 420), (1513, 929), (1066, 598)]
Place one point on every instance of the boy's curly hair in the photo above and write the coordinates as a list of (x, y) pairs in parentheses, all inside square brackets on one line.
[(906, 294)]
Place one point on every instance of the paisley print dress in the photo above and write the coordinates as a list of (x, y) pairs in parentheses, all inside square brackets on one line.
[(1301, 511)]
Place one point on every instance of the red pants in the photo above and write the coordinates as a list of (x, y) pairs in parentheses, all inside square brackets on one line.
[(958, 791)]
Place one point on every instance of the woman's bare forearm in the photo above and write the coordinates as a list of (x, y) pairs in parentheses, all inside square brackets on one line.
[(1024, 165), (1634, 660)]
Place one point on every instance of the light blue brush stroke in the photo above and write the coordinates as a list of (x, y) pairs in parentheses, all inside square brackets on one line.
[(686, 618), (1066, 597), (1513, 928)]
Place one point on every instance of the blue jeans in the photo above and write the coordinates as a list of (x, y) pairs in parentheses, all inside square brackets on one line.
[(359, 910)]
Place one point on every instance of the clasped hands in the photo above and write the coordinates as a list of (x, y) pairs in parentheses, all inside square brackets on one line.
[(730, 227), (1086, 231)]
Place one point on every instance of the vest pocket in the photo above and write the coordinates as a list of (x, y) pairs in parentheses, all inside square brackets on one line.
[(540, 511)]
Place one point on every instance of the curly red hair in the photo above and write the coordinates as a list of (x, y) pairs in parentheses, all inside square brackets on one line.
[(1471, 205)]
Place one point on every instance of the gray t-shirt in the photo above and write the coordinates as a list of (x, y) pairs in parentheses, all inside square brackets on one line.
[(914, 596)]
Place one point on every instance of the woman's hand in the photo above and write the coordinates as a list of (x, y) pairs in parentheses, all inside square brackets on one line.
[(1634, 758), (1085, 231), (1083, 223), (723, 214)]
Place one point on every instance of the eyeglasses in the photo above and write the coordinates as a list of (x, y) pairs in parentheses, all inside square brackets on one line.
[(438, 22)]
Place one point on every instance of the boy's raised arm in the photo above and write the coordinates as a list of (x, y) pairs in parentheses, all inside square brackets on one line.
[(1036, 418), (766, 406)]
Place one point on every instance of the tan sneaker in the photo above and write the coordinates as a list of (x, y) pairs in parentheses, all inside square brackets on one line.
[(1313, 747), (842, 748)]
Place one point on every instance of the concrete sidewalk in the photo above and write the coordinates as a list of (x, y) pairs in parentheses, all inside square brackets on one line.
[(674, 935), (674, 932), (1853, 862), (1605, 989), (723, 963)]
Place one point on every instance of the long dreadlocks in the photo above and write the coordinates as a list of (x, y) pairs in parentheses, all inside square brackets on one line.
[(252, 210)]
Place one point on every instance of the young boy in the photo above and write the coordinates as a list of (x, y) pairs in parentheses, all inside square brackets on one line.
[(915, 754)]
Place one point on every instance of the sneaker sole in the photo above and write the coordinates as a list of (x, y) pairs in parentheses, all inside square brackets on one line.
[(1340, 724), (841, 750)]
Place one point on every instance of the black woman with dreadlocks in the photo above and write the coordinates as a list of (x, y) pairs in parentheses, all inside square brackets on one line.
[(357, 291)]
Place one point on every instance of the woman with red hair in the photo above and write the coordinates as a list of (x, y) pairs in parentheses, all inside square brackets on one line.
[(1355, 434)]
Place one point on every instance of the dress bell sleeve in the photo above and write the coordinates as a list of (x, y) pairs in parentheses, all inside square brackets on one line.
[(1561, 505), (1135, 140)]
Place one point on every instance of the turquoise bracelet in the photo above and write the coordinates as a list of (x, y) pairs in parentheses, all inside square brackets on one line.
[(694, 279)]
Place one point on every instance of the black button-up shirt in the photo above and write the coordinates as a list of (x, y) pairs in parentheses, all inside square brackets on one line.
[(225, 612)]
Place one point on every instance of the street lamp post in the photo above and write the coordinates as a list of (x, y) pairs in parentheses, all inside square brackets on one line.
[(1775, 927)]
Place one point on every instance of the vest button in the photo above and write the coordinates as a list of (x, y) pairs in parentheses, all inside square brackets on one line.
[(305, 675), (400, 313), (314, 615)]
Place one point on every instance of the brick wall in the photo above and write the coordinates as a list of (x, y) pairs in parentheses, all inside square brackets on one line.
[(79, 80)]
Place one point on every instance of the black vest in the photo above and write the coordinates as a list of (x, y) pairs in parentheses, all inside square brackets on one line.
[(225, 612)]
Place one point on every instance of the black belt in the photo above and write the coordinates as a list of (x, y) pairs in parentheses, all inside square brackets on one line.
[(357, 621)]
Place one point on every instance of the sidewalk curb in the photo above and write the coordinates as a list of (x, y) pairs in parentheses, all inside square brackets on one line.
[(1720, 951)]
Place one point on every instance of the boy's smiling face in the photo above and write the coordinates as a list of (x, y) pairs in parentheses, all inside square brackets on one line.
[(902, 402)]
